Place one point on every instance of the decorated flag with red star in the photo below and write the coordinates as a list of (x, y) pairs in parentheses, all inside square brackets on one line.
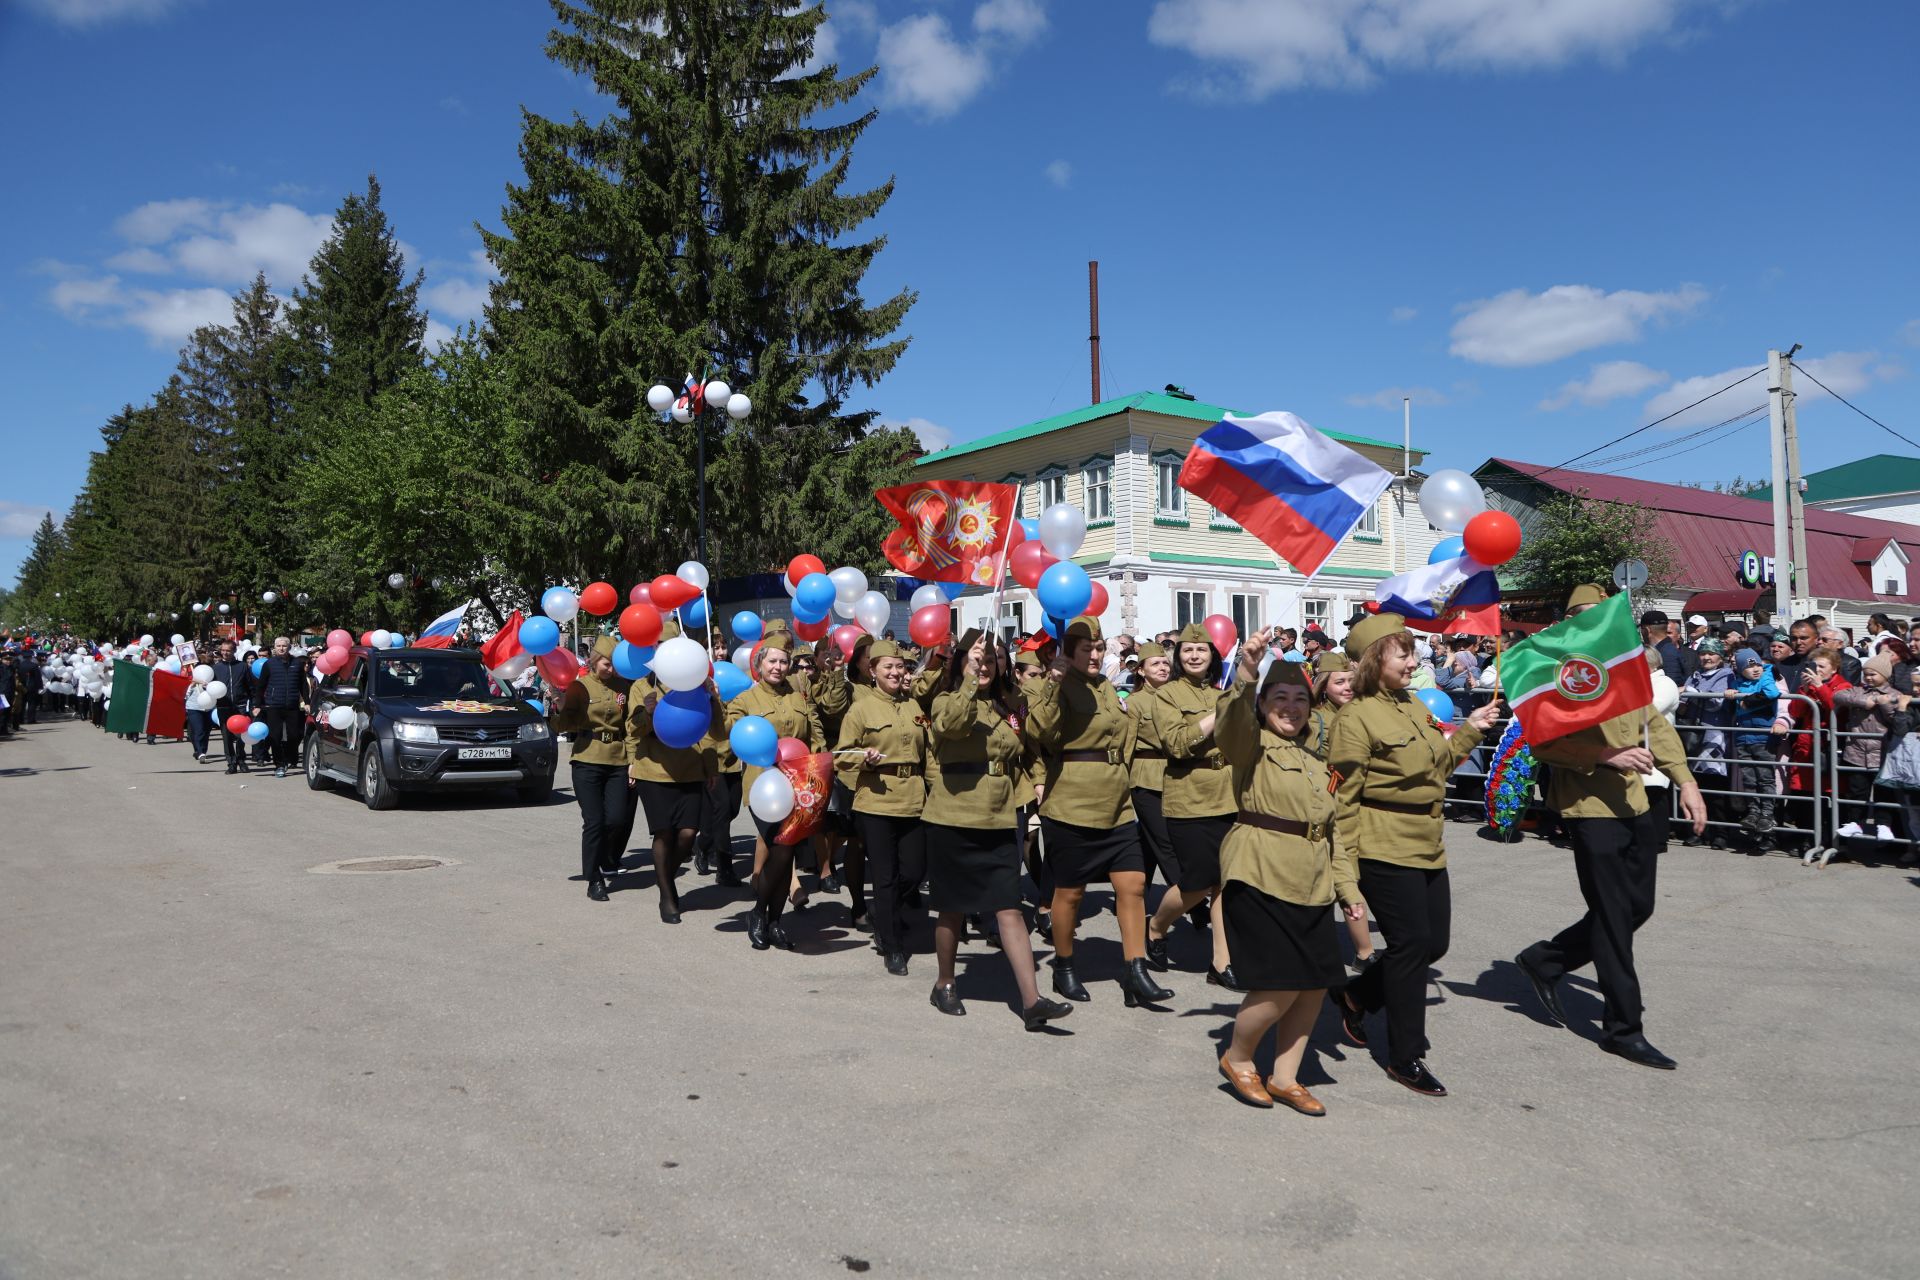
[(950, 530)]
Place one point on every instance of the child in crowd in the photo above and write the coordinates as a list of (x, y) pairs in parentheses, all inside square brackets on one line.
[(1705, 713), (1754, 694)]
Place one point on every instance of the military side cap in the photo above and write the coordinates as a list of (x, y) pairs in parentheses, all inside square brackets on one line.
[(604, 646), (1587, 593), (1151, 649), (801, 649), (1083, 628), (780, 640), (1283, 672), (1026, 658), (1372, 629), (1194, 633), (1331, 660), (884, 649)]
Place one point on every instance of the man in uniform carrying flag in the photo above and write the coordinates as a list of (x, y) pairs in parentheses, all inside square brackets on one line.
[(1583, 693)]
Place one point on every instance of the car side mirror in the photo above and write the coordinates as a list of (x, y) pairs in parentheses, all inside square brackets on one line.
[(343, 693)]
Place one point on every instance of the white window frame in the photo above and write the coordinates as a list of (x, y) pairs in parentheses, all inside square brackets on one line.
[(1315, 609), (1247, 611), (1183, 599), (1169, 499), (1369, 526), (1103, 468), (1051, 486)]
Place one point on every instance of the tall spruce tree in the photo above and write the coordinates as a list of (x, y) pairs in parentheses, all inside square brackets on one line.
[(700, 227), (43, 557)]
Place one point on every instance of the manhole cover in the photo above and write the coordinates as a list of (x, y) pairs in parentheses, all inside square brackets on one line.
[(350, 866)]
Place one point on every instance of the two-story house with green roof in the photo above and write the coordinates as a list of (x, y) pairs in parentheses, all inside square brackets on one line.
[(1165, 557), (1885, 486)]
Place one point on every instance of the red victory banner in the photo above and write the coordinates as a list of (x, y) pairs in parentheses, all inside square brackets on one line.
[(950, 530)]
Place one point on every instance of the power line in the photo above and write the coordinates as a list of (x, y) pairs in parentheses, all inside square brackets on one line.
[(1856, 408), (1650, 426), (1677, 441), (1731, 431)]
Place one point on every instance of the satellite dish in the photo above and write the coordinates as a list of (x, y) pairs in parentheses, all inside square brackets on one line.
[(1630, 575)]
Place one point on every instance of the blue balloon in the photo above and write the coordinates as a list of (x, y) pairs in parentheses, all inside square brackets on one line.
[(1293, 655), (952, 590), (555, 598), (1030, 525), (814, 593), (681, 719), (631, 661), (257, 731), (1065, 590), (693, 614), (1438, 703), (808, 616), (538, 706), (539, 635), (1447, 549), (730, 680), (747, 626), (259, 665), (755, 741), (1046, 625)]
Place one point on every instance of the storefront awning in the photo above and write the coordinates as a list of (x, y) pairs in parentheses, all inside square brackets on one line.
[(1733, 600)]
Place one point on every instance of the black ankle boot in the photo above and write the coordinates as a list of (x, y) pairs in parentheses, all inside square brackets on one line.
[(1066, 982), (702, 862), (597, 889), (1139, 985), (669, 912), (757, 929)]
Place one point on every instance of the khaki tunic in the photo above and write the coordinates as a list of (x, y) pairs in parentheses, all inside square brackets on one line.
[(1318, 739), (1579, 786), (1388, 748), (651, 760), (1278, 778), (969, 730), (792, 716), (595, 711), (1082, 713), (1148, 769), (1198, 783), (897, 786)]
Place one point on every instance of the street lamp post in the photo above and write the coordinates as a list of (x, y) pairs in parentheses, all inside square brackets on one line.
[(692, 405)]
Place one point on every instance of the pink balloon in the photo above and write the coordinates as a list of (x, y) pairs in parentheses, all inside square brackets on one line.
[(339, 638)]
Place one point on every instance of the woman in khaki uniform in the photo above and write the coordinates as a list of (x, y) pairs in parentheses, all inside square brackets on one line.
[(839, 685), (1147, 771), (1086, 808), (1390, 763), (713, 851), (881, 757), (1197, 797), (1332, 690), (1029, 672), (972, 819), (792, 716), (672, 782), (1278, 865), (594, 711)]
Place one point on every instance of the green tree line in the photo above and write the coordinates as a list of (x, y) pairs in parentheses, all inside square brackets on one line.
[(315, 447)]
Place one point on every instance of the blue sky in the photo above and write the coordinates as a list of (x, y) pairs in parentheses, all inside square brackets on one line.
[(1548, 222)]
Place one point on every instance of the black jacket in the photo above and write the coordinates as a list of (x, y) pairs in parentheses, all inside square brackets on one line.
[(238, 677), (283, 683)]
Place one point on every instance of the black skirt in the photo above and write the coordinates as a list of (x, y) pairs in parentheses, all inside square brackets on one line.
[(1196, 845), (672, 806), (1279, 946), (972, 869), (1078, 856)]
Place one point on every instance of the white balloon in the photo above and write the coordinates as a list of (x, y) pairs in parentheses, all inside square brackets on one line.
[(199, 607), (738, 406), (170, 665), (178, 638), (1062, 529), (513, 668), (145, 641), (269, 597), (743, 657), (845, 608), (681, 414), (340, 718), (226, 608), (396, 580), (717, 393), (217, 689), (1448, 499), (849, 584), (560, 604), (680, 664), (771, 796), (396, 641), (692, 571), (873, 613), (202, 673), (788, 583), (659, 398), (927, 596), (379, 638)]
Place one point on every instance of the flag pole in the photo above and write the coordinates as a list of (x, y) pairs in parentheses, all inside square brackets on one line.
[(1000, 577)]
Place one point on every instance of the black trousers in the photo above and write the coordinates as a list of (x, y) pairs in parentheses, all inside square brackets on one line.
[(1617, 862), (897, 862), (1414, 908), (286, 726), (721, 808), (606, 816), (234, 744), (1154, 840), (199, 729)]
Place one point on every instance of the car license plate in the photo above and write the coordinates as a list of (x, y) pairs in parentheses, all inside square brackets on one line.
[(486, 753)]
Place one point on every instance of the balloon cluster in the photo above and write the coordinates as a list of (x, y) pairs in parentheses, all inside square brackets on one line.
[(759, 744), (1042, 562), (1453, 501), (819, 596)]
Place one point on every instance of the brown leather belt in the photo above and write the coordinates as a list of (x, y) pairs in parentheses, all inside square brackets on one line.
[(893, 770), (974, 768), (1417, 810), (1143, 754), (1110, 756), (1285, 826), (608, 735)]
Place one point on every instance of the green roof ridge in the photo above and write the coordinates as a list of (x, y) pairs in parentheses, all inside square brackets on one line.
[(1861, 478)]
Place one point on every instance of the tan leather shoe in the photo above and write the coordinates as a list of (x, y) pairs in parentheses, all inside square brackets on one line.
[(1297, 1097), (1246, 1084)]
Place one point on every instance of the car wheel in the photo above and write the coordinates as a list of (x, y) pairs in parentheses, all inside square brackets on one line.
[(310, 761), (537, 791), (373, 780)]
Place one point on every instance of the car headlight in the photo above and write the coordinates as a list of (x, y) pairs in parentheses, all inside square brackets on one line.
[(414, 731), (535, 731)]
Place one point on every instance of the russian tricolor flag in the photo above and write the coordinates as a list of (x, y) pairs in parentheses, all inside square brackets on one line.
[(1455, 597), (439, 633), (1283, 482)]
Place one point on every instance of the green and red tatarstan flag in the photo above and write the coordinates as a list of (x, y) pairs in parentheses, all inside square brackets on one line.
[(1577, 673), (147, 700)]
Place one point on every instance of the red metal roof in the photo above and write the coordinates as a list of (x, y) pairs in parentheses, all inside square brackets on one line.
[(1709, 531)]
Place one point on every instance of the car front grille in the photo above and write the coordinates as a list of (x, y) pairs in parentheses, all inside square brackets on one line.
[(493, 736)]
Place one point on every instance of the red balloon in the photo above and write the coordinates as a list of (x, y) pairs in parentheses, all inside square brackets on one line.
[(366, 638), (844, 638), (1028, 561), (640, 625), (670, 592), (1016, 534), (1222, 632), (800, 566), (1097, 605), (642, 594), (237, 724), (339, 638), (809, 631), (559, 667), (599, 599), (1372, 606), (1492, 537), (930, 626), (788, 750)]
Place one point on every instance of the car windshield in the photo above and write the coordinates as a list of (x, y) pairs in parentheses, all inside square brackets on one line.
[(420, 678)]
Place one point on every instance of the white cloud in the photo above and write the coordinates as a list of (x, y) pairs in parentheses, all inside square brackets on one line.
[(459, 293), (1609, 381), (437, 335), (1910, 333), (277, 239), (166, 316), (933, 436), (926, 68), (21, 519), (1847, 372), (1018, 20), (1402, 315), (1390, 397), (159, 220), (1060, 174), (141, 259), (1518, 328), (88, 13), (1261, 47)]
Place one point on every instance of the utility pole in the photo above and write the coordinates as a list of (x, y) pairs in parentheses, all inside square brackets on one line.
[(1093, 323), (1796, 499), (1789, 515)]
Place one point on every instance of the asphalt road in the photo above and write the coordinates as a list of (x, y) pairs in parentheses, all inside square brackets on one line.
[(214, 1063)]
